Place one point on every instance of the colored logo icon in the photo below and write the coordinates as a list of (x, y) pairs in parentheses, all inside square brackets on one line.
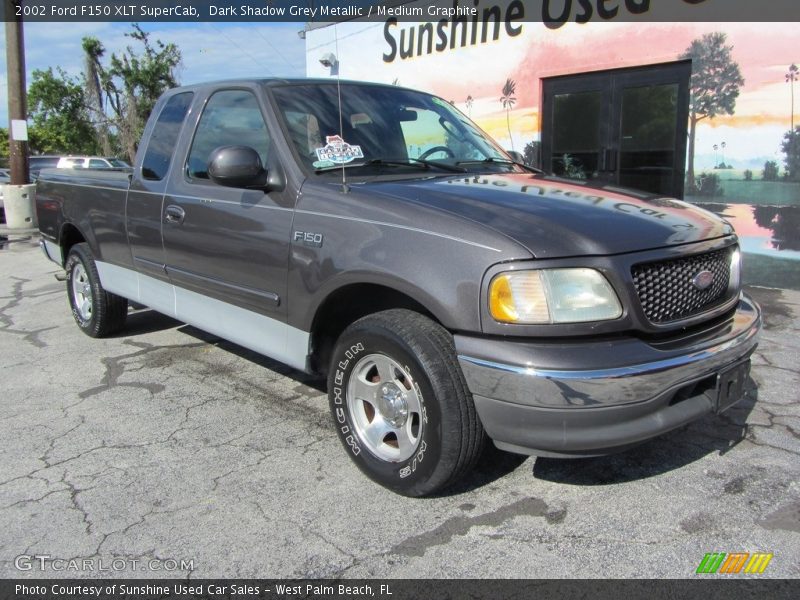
[(735, 562)]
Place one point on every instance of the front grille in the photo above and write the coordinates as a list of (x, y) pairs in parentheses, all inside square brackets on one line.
[(667, 293)]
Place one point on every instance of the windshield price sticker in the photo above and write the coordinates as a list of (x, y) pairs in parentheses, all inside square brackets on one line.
[(337, 151)]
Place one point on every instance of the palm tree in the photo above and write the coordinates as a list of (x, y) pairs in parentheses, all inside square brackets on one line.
[(716, 156), (722, 145), (508, 100), (469, 105), (791, 77), (93, 51)]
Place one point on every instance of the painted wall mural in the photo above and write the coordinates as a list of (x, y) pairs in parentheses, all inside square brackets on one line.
[(746, 140), (740, 141)]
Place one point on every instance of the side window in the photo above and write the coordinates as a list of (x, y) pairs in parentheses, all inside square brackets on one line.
[(164, 137), (96, 163), (230, 118)]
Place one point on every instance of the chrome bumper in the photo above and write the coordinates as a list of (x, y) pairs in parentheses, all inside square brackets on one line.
[(584, 398)]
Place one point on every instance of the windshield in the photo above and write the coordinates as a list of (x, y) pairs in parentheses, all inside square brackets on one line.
[(383, 127)]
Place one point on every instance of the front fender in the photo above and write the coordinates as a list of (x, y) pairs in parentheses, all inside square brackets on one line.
[(401, 287)]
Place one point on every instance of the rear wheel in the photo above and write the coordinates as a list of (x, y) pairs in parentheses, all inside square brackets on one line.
[(400, 404), (96, 311)]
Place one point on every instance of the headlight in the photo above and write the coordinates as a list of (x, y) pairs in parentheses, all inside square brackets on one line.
[(552, 296), (736, 270)]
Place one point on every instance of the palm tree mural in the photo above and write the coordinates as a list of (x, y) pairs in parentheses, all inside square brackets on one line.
[(508, 100), (791, 77), (469, 105)]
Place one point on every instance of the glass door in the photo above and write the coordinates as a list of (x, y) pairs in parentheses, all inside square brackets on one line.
[(624, 127)]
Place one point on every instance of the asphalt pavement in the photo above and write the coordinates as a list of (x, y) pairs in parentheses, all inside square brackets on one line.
[(164, 451)]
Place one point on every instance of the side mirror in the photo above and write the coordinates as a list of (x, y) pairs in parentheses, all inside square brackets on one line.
[(237, 166), (516, 156)]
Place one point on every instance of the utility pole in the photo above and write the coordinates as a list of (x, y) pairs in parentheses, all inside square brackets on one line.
[(17, 109)]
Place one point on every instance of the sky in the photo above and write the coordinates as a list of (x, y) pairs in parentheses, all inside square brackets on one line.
[(210, 50)]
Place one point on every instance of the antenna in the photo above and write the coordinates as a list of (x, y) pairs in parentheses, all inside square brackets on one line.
[(345, 188)]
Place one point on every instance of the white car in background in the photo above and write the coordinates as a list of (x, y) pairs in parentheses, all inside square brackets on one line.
[(5, 178), (91, 162)]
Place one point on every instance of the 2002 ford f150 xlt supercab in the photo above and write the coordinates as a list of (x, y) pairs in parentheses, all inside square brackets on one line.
[(374, 235)]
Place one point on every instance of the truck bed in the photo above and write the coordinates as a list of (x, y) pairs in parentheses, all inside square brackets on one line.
[(94, 197)]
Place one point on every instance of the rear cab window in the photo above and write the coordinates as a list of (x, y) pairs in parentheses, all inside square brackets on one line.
[(164, 136)]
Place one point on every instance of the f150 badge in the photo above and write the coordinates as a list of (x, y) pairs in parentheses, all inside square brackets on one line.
[(308, 238)]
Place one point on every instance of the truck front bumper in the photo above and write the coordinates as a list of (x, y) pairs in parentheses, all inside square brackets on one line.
[(579, 398)]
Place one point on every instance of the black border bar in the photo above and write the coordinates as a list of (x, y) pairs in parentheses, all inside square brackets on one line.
[(553, 12), (749, 587)]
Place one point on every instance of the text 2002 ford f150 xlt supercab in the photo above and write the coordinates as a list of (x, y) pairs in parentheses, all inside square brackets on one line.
[(375, 235)]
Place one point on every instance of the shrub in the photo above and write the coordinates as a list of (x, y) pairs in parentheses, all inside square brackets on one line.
[(708, 185), (770, 172)]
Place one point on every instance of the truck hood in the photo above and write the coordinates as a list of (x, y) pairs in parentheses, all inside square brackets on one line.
[(555, 218)]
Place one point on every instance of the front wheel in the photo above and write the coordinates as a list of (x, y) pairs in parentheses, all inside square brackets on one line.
[(96, 311), (401, 405)]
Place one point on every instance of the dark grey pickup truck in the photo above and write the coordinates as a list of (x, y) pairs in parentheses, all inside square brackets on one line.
[(374, 235)]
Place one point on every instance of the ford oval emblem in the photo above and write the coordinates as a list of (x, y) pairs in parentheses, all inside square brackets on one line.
[(703, 280)]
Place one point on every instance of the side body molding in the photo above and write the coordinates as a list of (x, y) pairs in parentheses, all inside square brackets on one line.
[(254, 331)]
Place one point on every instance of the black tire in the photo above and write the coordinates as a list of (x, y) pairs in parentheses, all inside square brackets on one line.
[(107, 312), (449, 436)]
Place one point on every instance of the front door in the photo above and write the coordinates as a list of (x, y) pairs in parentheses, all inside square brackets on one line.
[(624, 127), (228, 244)]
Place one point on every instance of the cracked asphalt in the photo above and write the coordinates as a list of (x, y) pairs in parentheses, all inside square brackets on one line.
[(164, 442)]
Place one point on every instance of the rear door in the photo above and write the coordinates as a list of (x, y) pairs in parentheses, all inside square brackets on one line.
[(146, 195), (227, 244)]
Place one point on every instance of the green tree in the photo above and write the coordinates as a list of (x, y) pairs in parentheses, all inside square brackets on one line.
[(124, 92), (716, 79), (532, 153), (508, 100), (3, 147), (791, 148), (59, 115), (770, 172)]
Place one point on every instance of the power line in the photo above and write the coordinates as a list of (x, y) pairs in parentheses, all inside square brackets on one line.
[(278, 52), (253, 58)]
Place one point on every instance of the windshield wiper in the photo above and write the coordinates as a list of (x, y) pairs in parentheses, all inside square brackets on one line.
[(502, 161), (391, 162)]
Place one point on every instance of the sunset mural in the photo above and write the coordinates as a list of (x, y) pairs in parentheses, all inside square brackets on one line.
[(473, 78)]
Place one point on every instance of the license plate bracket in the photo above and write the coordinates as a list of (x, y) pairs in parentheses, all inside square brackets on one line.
[(730, 385)]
